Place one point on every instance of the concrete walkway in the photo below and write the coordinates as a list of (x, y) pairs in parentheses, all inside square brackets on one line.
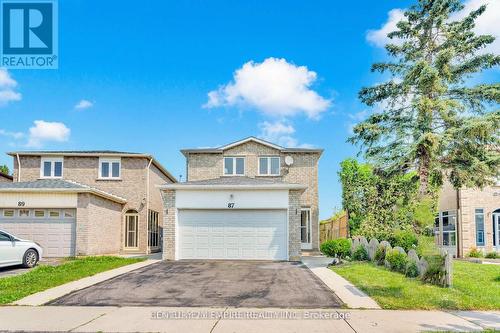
[(56, 292), (346, 291), (153, 319)]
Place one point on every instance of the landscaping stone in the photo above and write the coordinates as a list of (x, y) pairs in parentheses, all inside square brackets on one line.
[(422, 265), (355, 244), (399, 249), (372, 248), (413, 256)]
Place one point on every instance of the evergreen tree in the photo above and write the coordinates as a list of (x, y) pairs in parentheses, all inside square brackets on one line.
[(4, 169), (431, 119)]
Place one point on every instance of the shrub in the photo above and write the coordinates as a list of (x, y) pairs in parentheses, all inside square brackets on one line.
[(360, 254), (492, 255), (397, 260), (411, 269), (340, 247), (380, 255), (475, 253), (405, 239), (435, 273)]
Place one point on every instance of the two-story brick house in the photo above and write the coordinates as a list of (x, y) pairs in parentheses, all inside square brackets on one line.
[(468, 218), (250, 199), (85, 202)]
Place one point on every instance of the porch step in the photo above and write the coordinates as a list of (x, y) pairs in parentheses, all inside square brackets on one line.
[(311, 253)]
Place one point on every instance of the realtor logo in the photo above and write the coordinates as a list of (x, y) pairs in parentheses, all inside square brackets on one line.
[(29, 34)]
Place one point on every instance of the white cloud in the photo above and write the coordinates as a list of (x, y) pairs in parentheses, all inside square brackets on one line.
[(486, 24), (84, 104), (13, 135), (275, 87), (379, 37), (7, 85), (45, 131), (281, 133)]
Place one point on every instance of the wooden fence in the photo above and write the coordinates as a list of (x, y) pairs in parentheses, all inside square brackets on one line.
[(333, 229)]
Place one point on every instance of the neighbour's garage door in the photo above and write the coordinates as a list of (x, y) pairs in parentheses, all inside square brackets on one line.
[(232, 234), (53, 229)]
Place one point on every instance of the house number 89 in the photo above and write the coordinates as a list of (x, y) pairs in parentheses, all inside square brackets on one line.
[(21, 203)]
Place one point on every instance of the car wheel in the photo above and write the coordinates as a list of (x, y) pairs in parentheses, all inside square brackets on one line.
[(30, 258)]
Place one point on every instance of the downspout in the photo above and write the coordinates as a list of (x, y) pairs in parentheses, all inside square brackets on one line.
[(147, 206), (18, 168)]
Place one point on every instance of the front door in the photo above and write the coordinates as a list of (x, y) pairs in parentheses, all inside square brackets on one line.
[(305, 229)]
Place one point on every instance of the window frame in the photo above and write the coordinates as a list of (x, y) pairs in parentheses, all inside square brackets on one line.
[(52, 161), (269, 167), (234, 158), (483, 243), (110, 161)]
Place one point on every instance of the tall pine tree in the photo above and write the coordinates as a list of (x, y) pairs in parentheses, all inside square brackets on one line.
[(430, 117)]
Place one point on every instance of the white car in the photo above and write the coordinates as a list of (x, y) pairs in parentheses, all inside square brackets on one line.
[(16, 251)]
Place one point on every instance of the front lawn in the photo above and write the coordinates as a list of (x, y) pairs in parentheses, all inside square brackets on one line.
[(475, 287), (46, 277)]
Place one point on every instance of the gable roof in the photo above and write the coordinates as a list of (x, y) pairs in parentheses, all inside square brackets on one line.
[(94, 153), (218, 150), (57, 186), (4, 175)]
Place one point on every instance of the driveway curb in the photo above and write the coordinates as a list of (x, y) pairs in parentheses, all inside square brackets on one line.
[(48, 295)]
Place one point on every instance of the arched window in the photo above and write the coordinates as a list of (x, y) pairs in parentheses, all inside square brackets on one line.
[(131, 229)]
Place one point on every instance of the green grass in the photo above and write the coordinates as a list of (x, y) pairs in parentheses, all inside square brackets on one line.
[(44, 277), (475, 287)]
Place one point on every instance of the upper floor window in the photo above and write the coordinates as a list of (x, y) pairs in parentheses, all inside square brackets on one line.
[(269, 166), (234, 166), (109, 168), (51, 167)]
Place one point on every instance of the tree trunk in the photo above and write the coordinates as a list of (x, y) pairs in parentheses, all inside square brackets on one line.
[(423, 173)]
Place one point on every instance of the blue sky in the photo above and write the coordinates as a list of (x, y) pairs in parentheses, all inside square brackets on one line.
[(135, 76)]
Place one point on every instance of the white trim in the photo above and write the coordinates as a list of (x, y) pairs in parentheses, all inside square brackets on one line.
[(277, 186), (65, 190), (496, 228), (52, 161), (269, 174), (240, 142), (234, 166), (110, 161)]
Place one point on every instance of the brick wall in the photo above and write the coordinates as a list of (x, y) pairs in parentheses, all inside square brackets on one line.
[(169, 215), (98, 225), (294, 225)]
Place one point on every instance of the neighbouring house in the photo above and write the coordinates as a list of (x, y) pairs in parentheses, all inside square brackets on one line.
[(5, 178), (250, 199), (85, 202), (468, 218)]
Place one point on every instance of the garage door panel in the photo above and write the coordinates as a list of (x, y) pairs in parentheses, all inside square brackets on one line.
[(56, 236), (232, 234)]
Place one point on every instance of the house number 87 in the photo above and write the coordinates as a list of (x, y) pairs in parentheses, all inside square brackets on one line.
[(230, 205)]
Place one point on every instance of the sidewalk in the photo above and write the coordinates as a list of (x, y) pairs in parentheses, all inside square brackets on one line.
[(151, 319), (345, 290)]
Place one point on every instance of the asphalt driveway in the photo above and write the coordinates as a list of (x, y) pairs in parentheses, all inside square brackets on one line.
[(210, 284)]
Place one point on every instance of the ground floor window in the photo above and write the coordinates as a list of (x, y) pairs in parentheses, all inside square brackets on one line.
[(153, 229), (496, 228), (479, 219), (445, 228), (131, 229)]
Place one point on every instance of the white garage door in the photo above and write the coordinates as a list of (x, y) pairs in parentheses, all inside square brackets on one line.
[(232, 234), (53, 229)]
